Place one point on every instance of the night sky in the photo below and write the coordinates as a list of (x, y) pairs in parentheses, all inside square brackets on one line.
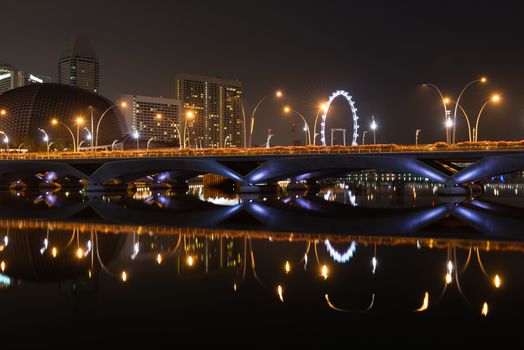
[(379, 51)]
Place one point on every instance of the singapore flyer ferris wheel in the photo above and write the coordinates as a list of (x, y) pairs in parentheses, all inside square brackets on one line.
[(351, 103)]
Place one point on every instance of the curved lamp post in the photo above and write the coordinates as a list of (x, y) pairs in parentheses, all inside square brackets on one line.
[(481, 80), (6, 140), (277, 94), (190, 115), (494, 99), (160, 116), (55, 121), (288, 109), (46, 138), (444, 102), (123, 105), (322, 108)]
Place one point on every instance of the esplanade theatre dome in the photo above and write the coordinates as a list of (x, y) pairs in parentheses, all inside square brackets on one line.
[(28, 108)]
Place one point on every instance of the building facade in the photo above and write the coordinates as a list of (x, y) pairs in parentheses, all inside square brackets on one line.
[(12, 78), (154, 118), (217, 109), (78, 65)]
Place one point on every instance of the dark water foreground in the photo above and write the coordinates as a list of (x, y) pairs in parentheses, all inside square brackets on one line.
[(353, 264)]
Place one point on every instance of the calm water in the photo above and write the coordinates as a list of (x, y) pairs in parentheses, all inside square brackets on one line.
[(355, 263)]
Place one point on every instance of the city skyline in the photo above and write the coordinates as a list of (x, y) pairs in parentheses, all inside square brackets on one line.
[(380, 54)]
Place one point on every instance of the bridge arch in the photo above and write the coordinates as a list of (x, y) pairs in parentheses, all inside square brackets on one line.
[(351, 103)]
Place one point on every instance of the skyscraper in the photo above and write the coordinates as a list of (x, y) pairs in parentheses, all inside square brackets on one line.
[(78, 65), (153, 117), (11, 78), (217, 109)]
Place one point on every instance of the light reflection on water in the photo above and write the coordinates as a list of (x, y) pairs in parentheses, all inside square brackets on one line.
[(352, 254)]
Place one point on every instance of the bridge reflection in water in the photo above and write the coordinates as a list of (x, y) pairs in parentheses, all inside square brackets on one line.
[(404, 259)]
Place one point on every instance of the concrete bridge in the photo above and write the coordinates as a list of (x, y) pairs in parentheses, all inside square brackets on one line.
[(256, 169)]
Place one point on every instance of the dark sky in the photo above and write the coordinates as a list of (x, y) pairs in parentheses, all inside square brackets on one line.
[(379, 51)]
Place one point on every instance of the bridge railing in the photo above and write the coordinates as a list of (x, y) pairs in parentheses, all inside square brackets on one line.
[(278, 150)]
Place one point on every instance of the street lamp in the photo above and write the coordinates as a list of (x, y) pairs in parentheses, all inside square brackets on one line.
[(495, 98), (445, 101), (148, 142), (160, 116), (448, 124), (374, 128), (190, 115), (46, 138), (277, 94), (79, 121), (416, 136), (55, 121), (122, 104), (322, 108), (136, 136), (481, 80), (6, 140), (364, 137), (287, 110), (3, 112)]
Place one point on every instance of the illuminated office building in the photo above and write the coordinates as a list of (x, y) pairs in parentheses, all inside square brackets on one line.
[(78, 65), (141, 115), (216, 104), (11, 78)]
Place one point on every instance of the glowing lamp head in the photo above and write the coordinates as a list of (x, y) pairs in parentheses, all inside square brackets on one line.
[(46, 138), (123, 104), (287, 109), (373, 125), (279, 94), (79, 120), (6, 139), (190, 261), (324, 271), (136, 135), (158, 116), (54, 121), (446, 100), (323, 107), (449, 123), (483, 80), (495, 98), (3, 112)]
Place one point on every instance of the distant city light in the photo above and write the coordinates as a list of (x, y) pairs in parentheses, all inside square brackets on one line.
[(484, 311), (123, 276), (287, 267), (280, 292), (497, 281), (324, 271), (425, 303)]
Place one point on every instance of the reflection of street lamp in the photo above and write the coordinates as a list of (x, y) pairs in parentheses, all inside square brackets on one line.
[(288, 109), (495, 98), (277, 94), (416, 136), (55, 121), (374, 128)]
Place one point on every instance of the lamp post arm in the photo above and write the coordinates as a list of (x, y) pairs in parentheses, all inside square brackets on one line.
[(99, 121), (252, 125), (457, 104), (72, 135), (308, 141), (467, 119), (315, 128), (177, 131), (478, 119), (244, 122)]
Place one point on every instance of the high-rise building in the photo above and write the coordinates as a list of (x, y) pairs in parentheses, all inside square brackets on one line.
[(11, 78), (153, 117), (78, 65), (217, 109)]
